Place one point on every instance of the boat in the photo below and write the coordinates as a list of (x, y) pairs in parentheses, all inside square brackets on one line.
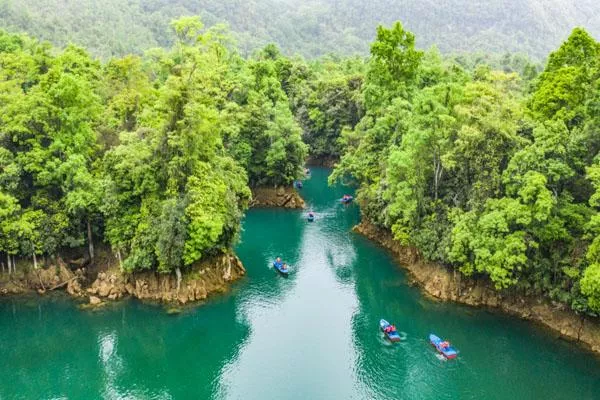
[(283, 270), (306, 171), (298, 184), (443, 347), (392, 335), (346, 199), (310, 217)]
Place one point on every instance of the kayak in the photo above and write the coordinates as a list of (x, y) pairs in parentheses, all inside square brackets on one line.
[(310, 217), (443, 347), (298, 184), (346, 200), (393, 336), (279, 267)]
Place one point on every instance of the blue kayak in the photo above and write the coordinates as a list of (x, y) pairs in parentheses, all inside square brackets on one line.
[(346, 199), (298, 184), (279, 267), (392, 334), (443, 347), (310, 217)]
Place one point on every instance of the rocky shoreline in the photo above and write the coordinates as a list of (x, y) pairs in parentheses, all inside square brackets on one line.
[(212, 275), (281, 197), (444, 284), (103, 281)]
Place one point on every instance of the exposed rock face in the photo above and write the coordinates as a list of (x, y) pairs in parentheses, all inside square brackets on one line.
[(448, 285), (209, 276), (276, 197), (45, 279)]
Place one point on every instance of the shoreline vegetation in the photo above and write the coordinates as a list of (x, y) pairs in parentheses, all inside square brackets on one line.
[(151, 158), (492, 172), (441, 283)]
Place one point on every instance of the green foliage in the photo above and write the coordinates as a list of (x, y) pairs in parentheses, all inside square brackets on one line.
[(263, 136), (139, 152), (482, 170), (484, 164), (317, 27)]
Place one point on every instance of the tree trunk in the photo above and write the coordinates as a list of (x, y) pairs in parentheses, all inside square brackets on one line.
[(14, 264), (34, 261), (90, 242), (3, 270), (8, 263), (120, 260), (178, 273)]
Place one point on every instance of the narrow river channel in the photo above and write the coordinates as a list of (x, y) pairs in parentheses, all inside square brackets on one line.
[(312, 335)]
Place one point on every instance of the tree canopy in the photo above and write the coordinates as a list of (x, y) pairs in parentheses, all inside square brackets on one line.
[(494, 173), (311, 28), (150, 154)]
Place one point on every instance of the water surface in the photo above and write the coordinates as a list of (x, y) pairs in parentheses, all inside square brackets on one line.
[(313, 335)]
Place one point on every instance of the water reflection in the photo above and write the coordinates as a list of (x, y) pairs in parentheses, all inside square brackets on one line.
[(303, 321)]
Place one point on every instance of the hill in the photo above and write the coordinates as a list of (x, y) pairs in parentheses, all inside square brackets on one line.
[(308, 27)]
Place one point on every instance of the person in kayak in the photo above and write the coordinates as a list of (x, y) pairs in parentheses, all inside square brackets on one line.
[(278, 261), (284, 267)]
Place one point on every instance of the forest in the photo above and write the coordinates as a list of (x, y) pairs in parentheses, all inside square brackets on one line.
[(493, 174), (490, 169), (151, 155), (310, 28)]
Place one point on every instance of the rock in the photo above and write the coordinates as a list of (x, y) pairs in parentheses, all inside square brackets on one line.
[(113, 296), (104, 289), (74, 288), (183, 298), (129, 288), (281, 191), (95, 300)]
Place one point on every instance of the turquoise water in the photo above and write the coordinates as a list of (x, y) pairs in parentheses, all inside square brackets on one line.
[(313, 335)]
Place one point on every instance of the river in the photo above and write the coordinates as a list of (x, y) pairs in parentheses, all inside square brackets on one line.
[(312, 335)]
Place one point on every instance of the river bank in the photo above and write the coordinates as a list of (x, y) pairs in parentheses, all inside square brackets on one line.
[(443, 284), (281, 197), (104, 281)]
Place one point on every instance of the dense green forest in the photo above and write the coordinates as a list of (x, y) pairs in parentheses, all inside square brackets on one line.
[(152, 155), (487, 165), (311, 27), (494, 174)]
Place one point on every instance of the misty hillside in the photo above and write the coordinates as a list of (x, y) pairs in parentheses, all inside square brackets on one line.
[(308, 27)]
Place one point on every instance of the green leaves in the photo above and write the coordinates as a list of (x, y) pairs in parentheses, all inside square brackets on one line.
[(263, 135), (171, 193), (461, 165)]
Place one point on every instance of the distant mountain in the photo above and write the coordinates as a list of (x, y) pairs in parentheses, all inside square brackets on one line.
[(308, 27)]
